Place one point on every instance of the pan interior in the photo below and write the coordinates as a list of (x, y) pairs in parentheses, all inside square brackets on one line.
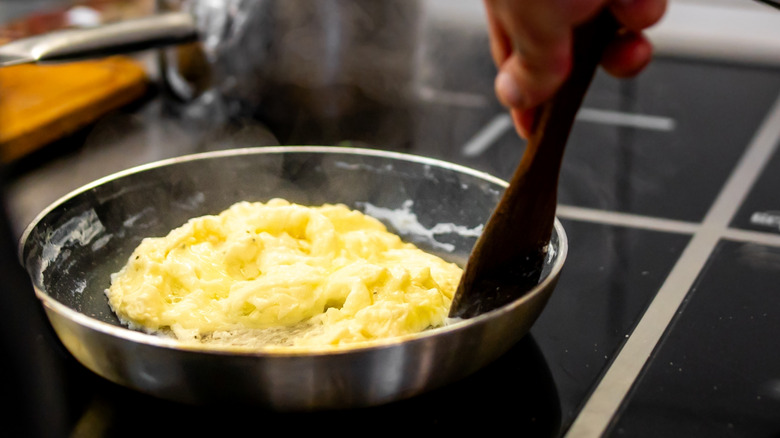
[(71, 250)]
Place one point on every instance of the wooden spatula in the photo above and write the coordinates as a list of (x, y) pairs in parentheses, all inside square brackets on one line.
[(508, 257)]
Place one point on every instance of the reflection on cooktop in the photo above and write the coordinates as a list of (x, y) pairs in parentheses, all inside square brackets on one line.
[(516, 391)]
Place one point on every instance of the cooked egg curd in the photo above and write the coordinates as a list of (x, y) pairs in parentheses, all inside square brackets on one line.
[(282, 274)]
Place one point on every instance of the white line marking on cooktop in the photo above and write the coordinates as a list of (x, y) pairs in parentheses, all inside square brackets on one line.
[(761, 238), (486, 136), (642, 121), (452, 98), (605, 400), (625, 219), (660, 224)]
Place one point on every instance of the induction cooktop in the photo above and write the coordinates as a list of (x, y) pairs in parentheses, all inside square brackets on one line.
[(664, 322)]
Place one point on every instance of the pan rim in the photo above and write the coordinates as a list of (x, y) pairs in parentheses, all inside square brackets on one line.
[(152, 340)]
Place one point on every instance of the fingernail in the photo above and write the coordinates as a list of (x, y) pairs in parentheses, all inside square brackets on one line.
[(508, 91)]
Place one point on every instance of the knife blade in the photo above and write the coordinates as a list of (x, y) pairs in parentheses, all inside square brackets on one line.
[(110, 39)]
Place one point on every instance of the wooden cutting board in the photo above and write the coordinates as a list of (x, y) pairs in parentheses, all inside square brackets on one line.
[(42, 103)]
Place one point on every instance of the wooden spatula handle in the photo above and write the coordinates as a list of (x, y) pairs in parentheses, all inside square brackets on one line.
[(507, 258)]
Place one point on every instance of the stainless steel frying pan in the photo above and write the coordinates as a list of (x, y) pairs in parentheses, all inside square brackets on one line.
[(73, 246)]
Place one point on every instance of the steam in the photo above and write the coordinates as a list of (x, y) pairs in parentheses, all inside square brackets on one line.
[(322, 53)]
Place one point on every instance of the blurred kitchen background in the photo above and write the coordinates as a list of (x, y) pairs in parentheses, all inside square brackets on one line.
[(360, 83), (650, 159)]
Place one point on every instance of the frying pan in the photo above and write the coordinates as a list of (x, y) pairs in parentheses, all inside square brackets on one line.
[(71, 248)]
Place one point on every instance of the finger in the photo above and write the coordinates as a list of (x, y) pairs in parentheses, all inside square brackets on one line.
[(579, 11), (627, 55), (524, 121), (637, 15), (540, 38), (540, 18), (526, 80), (500, 46), (529, 22)]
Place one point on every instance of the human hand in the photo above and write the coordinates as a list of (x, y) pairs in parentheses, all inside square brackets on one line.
[(531, 44)]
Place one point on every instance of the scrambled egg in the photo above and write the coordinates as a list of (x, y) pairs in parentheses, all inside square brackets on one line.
[(282, 274)]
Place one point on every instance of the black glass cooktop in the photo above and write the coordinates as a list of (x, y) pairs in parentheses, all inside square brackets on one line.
[(665, 319)]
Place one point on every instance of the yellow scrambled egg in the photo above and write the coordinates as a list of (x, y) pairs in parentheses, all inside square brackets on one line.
[(283, 274)]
